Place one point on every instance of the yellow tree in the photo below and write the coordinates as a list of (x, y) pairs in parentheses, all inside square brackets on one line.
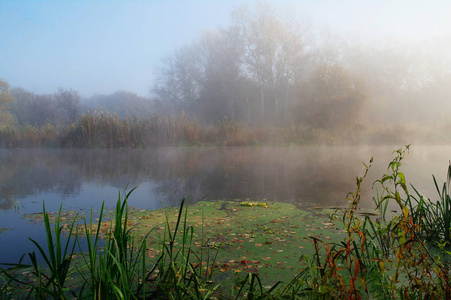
[(6, 99)]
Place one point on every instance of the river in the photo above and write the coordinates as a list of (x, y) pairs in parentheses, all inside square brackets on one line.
[(83, 178)]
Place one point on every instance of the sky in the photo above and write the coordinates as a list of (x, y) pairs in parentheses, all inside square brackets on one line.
[(100, 46)]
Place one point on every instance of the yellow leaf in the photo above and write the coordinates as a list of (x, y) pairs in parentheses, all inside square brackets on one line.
[(399, 255), (382, 265), (405, 210)]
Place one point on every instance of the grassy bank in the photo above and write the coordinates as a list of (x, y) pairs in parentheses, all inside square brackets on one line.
[(249, 250)]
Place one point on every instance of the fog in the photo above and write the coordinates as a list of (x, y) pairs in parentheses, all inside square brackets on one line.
[(344, 66)]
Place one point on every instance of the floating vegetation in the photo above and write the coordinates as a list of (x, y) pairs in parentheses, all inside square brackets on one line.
[(3, 229), (251, 203)]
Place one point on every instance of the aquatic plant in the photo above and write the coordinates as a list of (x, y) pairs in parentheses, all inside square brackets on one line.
[(253, 203), (380, 258), (51, 280), (5, 289), (120, 268)]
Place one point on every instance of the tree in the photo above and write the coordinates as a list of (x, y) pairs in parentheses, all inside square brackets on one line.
[(6, 101), (68, 102), (250, 70), (176, 86), (274, 58), (21, 108), (222, 81), (332, 99), (36, 110), (123, 103), (44, 111)]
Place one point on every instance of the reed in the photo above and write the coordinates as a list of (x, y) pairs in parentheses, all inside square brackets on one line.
[(5, 289), (119, 269), (443, 208), (179, 276), (104, 130), (115, 270), (385, 257), (51, 281)]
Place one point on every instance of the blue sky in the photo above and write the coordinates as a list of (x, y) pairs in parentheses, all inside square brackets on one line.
[(104, 46)]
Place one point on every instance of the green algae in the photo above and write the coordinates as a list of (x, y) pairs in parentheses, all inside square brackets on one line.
[(268, 240)]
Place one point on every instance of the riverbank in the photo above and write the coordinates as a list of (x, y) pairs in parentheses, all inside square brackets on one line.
[(102, 130)]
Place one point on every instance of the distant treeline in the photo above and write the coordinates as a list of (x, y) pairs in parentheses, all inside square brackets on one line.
[(266, 78), (267, 68)]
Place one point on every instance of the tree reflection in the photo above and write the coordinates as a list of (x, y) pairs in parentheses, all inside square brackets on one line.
[(321, 175)]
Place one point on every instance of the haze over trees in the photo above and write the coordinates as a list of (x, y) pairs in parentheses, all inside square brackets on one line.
[(266, 71), (6, 100), (123, 103), (249, 71), (60, 108)]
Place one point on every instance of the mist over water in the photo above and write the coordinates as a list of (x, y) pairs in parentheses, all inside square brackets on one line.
[(265, 78), (83, 178), (322, 175)]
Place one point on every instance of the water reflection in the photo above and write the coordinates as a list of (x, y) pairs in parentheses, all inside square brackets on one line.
[(313, 174), (83, 178), (321, 175)]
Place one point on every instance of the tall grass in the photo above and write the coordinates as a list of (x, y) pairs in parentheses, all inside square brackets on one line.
[(120, 269), (109, 131), (29, 136), (384, 257), (57, 255), (104, 130), (180, 276)]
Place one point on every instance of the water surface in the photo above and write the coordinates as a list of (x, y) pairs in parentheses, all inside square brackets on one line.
[(83, 178)]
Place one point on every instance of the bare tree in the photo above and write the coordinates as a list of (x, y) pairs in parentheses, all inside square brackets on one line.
[(177, 84), (68, 102), (222, 80), (43, 110), (275, 55), (251, 70)]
